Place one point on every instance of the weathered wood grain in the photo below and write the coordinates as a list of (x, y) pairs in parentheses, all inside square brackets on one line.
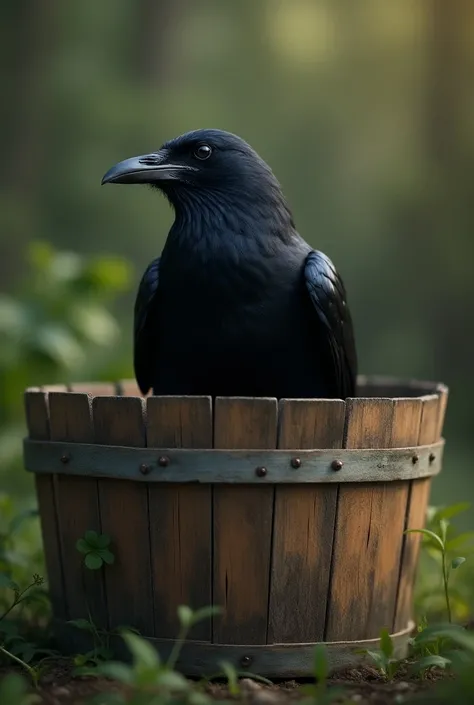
[(366, 553), (77, 501), (37, 418), (180, 517), (442, 405), (243, 526), (303, 527), (416, 513), (125, 518)]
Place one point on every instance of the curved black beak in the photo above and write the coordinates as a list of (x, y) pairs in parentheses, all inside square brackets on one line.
[(146, 169)]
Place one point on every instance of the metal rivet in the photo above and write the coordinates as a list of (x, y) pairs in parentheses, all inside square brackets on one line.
[(261, 471), (415, 459), (164, 461), (337, 464), (144, 469), (245, 661), (432, 458), (296, 463), (65, 458)]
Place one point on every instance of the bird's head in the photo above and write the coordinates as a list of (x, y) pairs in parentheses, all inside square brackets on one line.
[(200, 165)]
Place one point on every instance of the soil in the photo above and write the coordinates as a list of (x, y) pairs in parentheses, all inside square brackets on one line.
[(363, 686)]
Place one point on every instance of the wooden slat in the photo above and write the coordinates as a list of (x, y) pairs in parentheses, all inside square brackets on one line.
[(442, 404), (416, 514), (124, 515), (243, 526), (78, 508), (303, 527), (366, 555), (429, 419), (37, 418), (180, 517)]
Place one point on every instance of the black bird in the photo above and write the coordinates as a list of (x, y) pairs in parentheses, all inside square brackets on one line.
[(238, 304)]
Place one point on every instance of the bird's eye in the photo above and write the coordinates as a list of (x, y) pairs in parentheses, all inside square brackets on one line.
[(203, 152)]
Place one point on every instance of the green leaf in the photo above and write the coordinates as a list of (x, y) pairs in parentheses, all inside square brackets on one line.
[(197, 698), (59, 345), (116, 671), (103, 540), (82, 546), (451, 511), (94, 323), (429, 662), (143, 653), (110, 273), (93, 561), (82, 624), (231, 675), (443, 526), (185, 615), (14, 691), (456, 562), (106, 555), (386, 644), (458, 542), (378, 658), (173, 681), (92, 538), (320, 664), (205, 613), (430, 534)]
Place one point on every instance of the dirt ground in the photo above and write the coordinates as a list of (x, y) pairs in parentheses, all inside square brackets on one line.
[(364, 686)]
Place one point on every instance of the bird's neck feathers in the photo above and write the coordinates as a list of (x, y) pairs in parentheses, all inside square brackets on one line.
[(214, 220)]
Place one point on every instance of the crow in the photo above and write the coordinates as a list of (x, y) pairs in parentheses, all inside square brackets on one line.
[(238, 304)]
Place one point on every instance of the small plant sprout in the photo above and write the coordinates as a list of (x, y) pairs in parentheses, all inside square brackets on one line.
[(151, 680), (149, 676), (12, 645), (95, 548), (319, 692), (441, 546), (383, 658), (187, 619)]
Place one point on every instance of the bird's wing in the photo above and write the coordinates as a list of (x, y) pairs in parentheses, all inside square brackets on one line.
[(328, 296), (145, 326)]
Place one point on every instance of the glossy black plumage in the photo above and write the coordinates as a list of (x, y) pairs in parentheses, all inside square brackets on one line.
[(238, 304)]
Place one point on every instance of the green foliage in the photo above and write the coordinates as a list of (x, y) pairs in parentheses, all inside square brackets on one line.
[(13, 645), (21, 556), (14, 691), (459, 645), (319, 692), (55, 327), (95, 548), (442, 588), (383, 658), (150, 680), (60, 311)]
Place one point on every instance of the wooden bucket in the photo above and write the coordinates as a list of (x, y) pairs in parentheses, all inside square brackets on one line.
[(231, 505)]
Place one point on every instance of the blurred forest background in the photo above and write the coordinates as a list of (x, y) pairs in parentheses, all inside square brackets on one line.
[(365, 111)]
